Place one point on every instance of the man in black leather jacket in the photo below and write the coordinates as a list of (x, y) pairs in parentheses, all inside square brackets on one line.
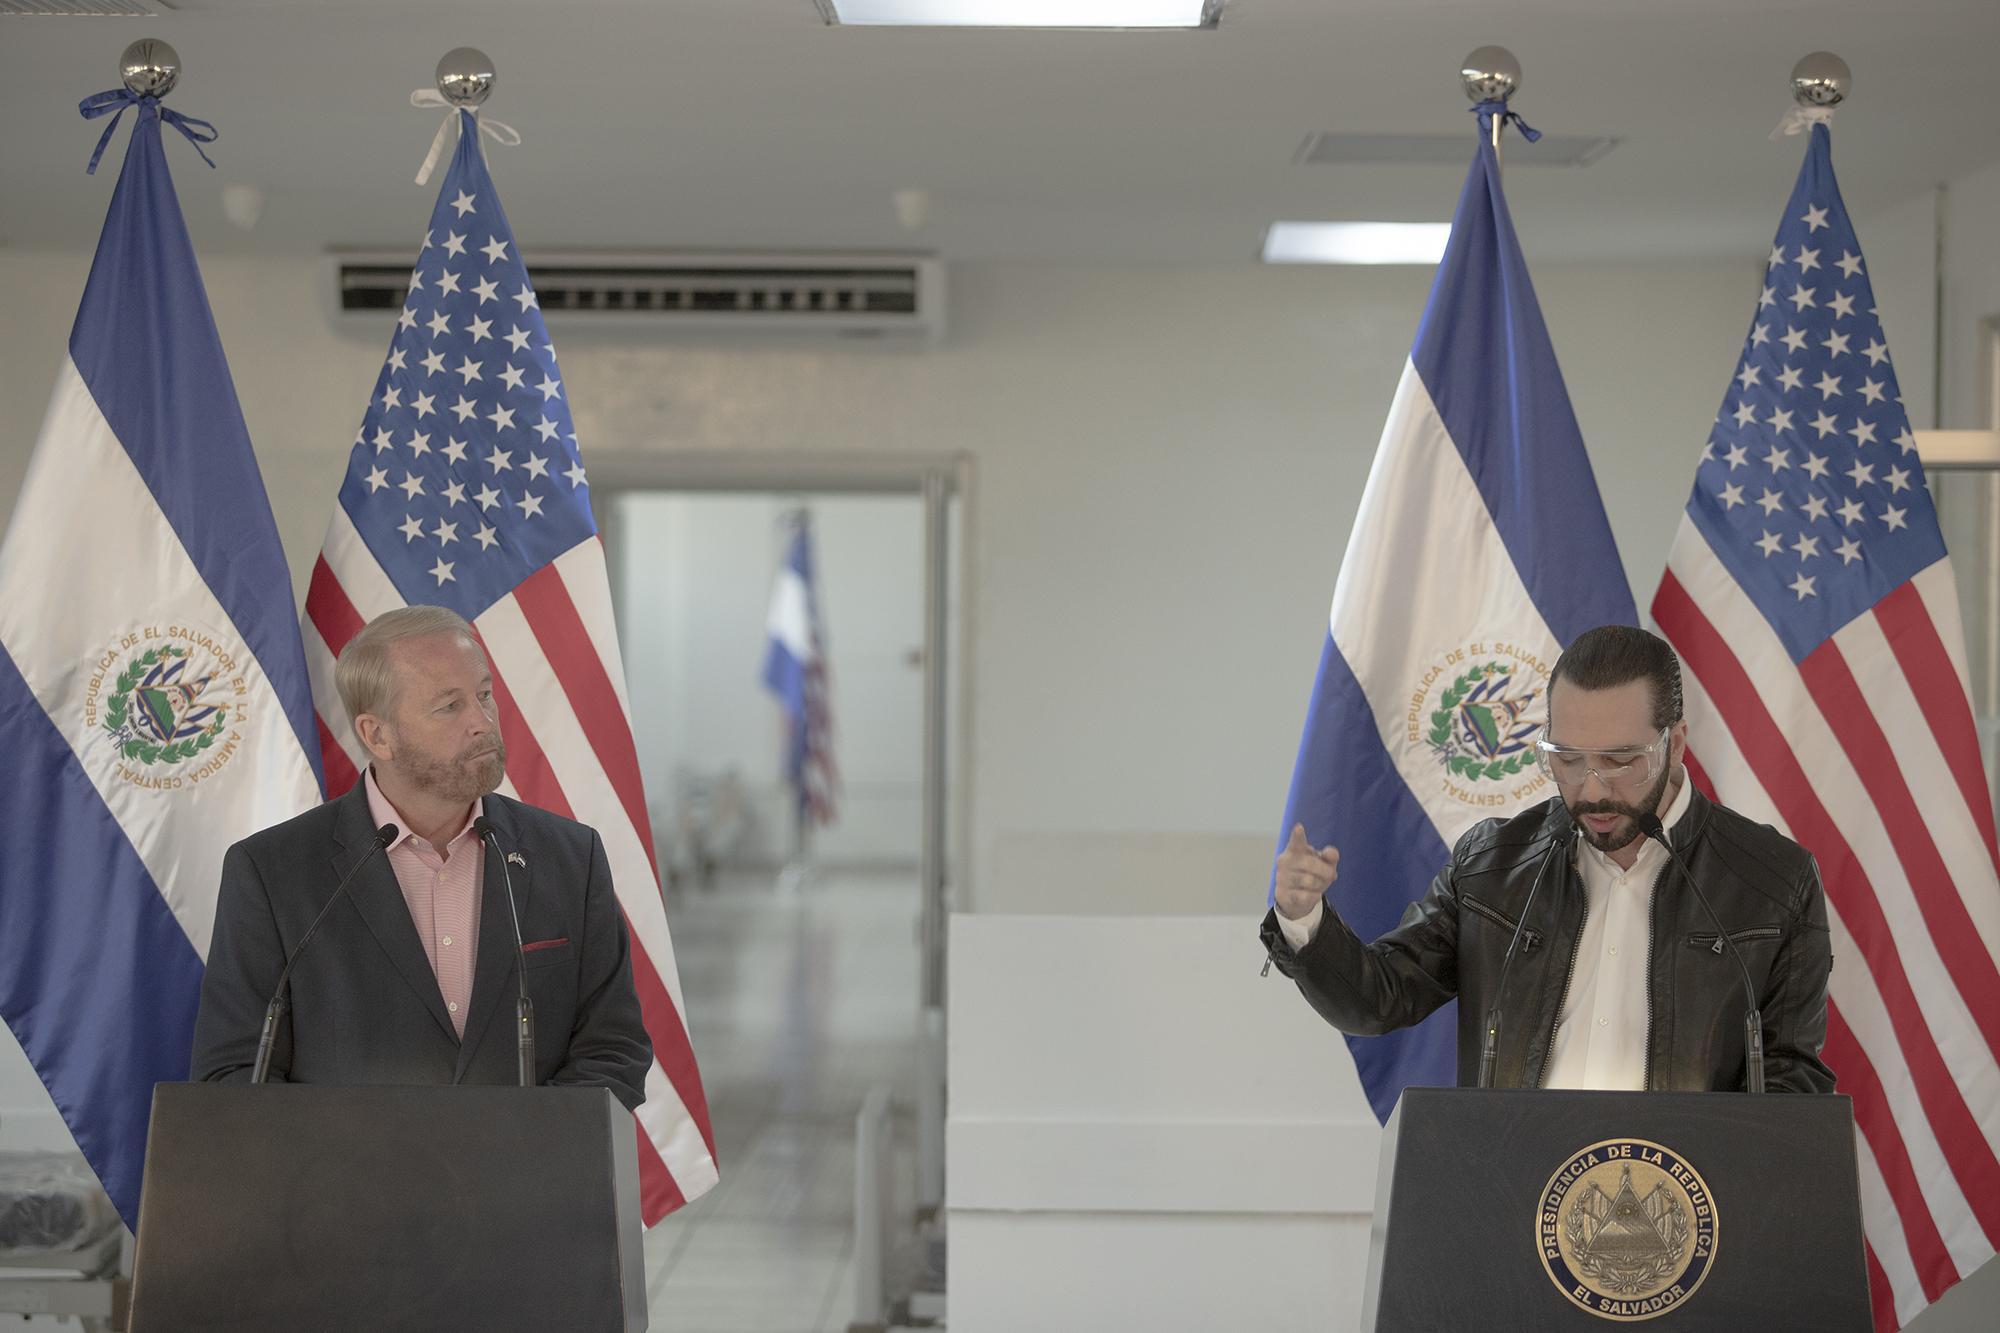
[(1620, 979)]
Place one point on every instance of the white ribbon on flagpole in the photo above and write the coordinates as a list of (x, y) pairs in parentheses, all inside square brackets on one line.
[(497, 130), (1802, 118)]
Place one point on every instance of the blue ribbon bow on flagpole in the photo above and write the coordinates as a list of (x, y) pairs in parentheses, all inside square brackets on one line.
[(114, 102), (1486, 111)]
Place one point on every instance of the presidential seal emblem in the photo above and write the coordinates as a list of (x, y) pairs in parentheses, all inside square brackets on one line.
[(1626, 1229), (1474, 714), (169, 702)]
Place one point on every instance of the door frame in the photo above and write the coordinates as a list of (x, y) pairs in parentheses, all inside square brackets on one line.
[(938, 478)]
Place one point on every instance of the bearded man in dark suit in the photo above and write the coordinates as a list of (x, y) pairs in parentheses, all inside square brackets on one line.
[(412, 979)]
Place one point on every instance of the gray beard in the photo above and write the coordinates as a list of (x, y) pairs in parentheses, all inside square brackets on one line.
[(453, 780)]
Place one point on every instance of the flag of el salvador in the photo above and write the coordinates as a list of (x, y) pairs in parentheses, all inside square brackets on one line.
[(154, 705), (1481, 548)]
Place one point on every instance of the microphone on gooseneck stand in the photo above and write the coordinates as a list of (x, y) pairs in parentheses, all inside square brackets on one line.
[(1753, 1020), (385, 835), (1489, 1049), (524, 1009)]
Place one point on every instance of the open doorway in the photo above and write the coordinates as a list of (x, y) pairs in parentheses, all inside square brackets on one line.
[(810, 949), (696, 575)]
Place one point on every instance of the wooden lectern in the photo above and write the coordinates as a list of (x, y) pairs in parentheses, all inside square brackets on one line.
[(422, 1208), (1554, 1210)]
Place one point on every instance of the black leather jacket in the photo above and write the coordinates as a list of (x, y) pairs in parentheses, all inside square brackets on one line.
[(1764, 886)]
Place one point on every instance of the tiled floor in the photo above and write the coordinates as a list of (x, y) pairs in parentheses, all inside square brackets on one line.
[(798, 1004)]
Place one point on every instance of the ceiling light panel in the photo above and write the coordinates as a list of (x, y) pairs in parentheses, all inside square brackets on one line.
[(1356, 242), (1024, 13), (115, 9)]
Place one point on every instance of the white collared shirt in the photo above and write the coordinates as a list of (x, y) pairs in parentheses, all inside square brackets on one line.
[(1602, 1031), (1604, 1025)]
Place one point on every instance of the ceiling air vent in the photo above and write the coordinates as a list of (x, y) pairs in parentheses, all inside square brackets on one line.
[(848, 295), (1328, 148), (84, 9)]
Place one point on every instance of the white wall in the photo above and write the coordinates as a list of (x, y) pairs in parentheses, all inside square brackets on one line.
[(1902, 245), (1971, 296), (1145, 1133), (692, 575)]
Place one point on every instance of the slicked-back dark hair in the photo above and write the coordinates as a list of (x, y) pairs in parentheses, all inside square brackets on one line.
[(1613, 655)]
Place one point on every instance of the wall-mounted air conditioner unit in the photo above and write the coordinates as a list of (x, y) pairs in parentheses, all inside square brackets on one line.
[(850, 295)]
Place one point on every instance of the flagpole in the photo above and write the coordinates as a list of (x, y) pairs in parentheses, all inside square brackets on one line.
[(798, 870), (802, 820), (1491, 74)]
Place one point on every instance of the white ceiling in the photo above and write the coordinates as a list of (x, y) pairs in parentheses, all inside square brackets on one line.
[(748, 124)]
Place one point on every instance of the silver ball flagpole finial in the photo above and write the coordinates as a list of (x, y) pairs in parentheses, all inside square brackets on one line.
[(1490, 74), (465, 77), (1821, 79), (150, 67)]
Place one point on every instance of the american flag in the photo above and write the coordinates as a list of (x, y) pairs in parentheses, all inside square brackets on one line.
[(795, 672), (465, 489), (1811, 598)]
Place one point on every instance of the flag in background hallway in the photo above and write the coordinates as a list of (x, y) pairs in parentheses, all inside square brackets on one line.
[(153, 694), (1481, 548), (795, 673), (1811, 598), (465, 489)]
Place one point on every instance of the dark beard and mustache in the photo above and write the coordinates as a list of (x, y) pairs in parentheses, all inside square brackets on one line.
[(1625, 834)]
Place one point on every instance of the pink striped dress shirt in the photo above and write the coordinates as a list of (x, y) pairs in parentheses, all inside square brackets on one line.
[(442, 889)]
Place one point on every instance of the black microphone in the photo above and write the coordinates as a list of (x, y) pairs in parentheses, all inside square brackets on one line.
[(385, 835), (524, 1009), (1489, 1049), (1753, 1020)]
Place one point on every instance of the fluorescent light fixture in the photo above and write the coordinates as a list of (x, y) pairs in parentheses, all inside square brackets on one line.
[(1356, 242), (1025, 13), (109, 9)]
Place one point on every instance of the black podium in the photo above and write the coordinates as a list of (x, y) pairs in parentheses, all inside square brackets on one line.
[(324, 1208), (1580, 1210)]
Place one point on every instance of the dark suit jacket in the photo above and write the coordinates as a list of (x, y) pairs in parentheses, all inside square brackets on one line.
[(365, 1005)]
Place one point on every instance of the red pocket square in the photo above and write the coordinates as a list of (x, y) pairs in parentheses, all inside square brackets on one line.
[(533, 945)]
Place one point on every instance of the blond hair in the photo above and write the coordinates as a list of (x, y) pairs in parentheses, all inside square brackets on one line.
[(364, 674)]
